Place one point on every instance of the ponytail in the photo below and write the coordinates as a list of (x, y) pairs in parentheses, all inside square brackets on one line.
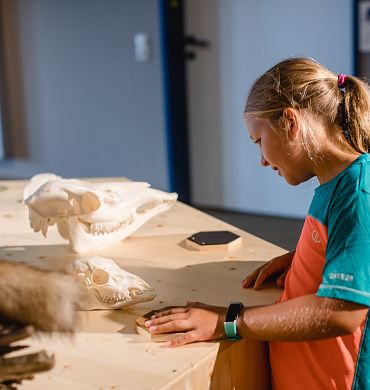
[(341, 102), (354, 113)]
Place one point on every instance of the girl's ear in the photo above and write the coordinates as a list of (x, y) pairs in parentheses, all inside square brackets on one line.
[(291, 120)]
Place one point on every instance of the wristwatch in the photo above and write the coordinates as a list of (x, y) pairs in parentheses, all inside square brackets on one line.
[(232, 316)]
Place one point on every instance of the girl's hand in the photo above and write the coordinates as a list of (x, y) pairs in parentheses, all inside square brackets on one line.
[(199, 321), (278, 267)]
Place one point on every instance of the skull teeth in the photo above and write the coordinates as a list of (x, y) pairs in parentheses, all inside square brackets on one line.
[(115, 299), (100, 228), (121, 298)]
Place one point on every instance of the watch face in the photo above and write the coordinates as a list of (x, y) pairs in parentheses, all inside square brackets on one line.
[(233, 311)]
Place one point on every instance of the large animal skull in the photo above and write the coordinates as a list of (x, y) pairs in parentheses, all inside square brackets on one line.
[(108, 285), (94, 215)]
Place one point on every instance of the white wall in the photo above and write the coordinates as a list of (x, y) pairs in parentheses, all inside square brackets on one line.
[(247, 37), (78, 102)]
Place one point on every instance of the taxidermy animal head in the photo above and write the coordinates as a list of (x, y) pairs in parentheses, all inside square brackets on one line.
[(93, 215), (47, 300), (108, 286), (32, 300)]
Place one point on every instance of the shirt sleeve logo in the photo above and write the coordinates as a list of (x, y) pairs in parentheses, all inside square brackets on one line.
[(341, 276), (315, 237)]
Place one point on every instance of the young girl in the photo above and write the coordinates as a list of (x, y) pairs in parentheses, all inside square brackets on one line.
[(307, 122)]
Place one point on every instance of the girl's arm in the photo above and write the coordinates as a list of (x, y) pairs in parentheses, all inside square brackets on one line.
[(301, 319)]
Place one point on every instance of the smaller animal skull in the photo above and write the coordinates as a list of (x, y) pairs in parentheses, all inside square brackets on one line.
[(108, 285)]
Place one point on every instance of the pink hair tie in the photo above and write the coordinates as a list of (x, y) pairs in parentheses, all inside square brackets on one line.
[(341, 80)]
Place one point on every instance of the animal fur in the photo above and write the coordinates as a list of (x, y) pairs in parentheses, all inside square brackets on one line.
[(44, 299)]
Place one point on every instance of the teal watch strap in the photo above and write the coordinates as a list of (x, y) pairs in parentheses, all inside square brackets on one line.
[(231, 331), (232, 315)]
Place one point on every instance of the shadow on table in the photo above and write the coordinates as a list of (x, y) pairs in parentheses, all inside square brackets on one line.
[(215, 283)]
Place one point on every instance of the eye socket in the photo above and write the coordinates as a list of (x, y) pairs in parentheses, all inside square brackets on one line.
[(89, 202), (258, 141)]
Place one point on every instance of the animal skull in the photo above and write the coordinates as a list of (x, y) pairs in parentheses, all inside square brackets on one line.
[(108, 286), (94, 215)]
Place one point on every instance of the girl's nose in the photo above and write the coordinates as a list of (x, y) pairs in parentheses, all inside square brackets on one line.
[(264, 162)]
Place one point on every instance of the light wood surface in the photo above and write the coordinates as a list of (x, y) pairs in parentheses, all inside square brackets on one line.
[(106, 353)]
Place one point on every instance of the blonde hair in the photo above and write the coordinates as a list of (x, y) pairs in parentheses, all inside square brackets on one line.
[(307, 86)]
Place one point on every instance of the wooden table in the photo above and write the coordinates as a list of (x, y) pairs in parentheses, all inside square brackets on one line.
[(106, 353)]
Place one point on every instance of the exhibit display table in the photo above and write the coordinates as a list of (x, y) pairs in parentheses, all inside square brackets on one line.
[(106, 352)]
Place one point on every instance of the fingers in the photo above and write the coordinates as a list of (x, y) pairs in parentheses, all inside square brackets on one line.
[(250, 279), (281, 279), (256, 275), (166, 318), (173, 310), (262, 276), (273, 267), (162, 325), (196, 323)]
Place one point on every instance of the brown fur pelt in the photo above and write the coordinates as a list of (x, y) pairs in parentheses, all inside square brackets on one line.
[(44, 299)]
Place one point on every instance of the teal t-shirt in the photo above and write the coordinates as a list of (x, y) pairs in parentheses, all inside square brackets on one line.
[(332, 260), (343, 205)]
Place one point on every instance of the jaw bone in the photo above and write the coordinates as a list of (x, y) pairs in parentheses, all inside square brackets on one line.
[(94, 215), (108, 286)]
